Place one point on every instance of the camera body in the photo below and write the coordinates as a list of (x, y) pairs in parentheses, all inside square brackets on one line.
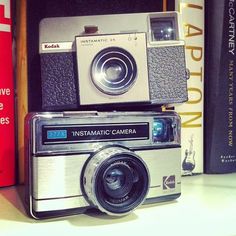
[(112, 59), (113, 161)]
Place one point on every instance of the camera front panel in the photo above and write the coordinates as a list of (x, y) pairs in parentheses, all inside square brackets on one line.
[(164, 166), (114, 69), (58, 182)]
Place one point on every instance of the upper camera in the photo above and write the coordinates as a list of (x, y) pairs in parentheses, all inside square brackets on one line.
[(125, 58)]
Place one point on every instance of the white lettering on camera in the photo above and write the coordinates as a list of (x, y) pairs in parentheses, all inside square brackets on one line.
[(102, 132)]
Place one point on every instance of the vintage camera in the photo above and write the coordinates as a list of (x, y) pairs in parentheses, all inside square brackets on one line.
[(112, 161), (115, 60)]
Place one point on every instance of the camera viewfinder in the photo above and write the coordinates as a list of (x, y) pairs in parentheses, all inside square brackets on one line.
[(163, 29), (162, 130)]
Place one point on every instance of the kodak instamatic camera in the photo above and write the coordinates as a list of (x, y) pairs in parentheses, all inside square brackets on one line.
[(112, 161), (112, 59)]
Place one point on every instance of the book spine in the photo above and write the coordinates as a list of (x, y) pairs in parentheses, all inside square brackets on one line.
[(220, 104), (22, 82), (191, 112), (7, 119)]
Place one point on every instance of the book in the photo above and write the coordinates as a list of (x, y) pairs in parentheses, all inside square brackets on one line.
[(192, 112), (29, 94), (220, 103), (21, 83), (7, 100)]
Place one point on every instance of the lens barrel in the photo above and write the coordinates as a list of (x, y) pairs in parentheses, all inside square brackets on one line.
[(113, 71), (116, 180)]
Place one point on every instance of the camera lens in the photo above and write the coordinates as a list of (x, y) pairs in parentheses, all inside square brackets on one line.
[(120, 181), (114, 179), (113, 71)]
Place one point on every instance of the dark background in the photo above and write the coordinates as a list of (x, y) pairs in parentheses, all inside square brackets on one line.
[(37, 10), (216, 101)]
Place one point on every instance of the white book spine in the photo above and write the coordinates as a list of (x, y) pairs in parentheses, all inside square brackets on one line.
[(191, 112)]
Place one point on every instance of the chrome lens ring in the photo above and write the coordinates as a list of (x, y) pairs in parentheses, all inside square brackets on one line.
[(116, 180), (113, 71)]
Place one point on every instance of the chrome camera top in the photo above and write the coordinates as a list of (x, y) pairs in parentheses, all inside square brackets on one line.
[(111, 161), (112, 59)]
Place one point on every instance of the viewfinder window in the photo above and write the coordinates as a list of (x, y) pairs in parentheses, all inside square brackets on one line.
[(163, 29)]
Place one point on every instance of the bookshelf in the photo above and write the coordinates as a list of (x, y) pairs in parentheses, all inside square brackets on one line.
[(207, 207)]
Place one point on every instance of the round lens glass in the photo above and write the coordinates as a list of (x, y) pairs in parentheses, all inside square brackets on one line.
[(118, 181), (115, 179), (122, 184), (113, 71)]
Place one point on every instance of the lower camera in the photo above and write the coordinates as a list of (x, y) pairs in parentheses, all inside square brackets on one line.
[(112, 161)]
